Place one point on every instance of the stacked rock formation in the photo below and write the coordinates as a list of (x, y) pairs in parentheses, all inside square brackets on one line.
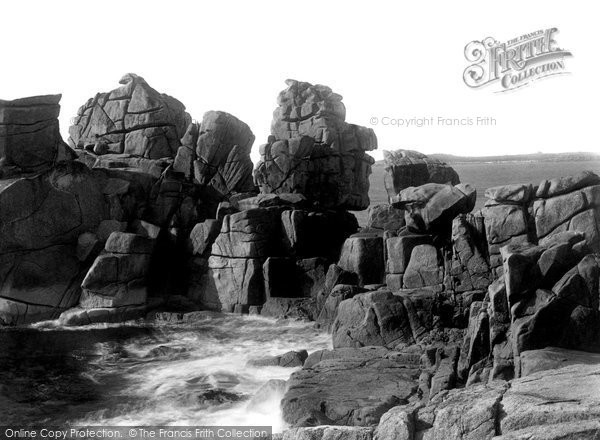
[(466, 298), (133, 120), (216, 153), (314, 152), (547, 296), (271, 252), (159, 206), (64, 214), (153, 212), (171, 184), (405, 168)]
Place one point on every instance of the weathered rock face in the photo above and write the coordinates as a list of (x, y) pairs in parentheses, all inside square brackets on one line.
[(563, 185), (291, 359), (132, 120), (554, 406), (118, 276), (406, 168), (515, 193), (423, 268), (38, 284), (399, 250), (362, 254), (30, 140), (521, 213), (41, 219), (385, 217), (541, 291), (261, 252), (557, 406), (320, 395), (49, 208), (571, 207), (338, 294), (470, 269), (57, 214), (553, 358), (567, 316), (313, 151), (373, 318), (216, 153), (547, 296), (469, 414), (329, 433), (433, 206), (384, 319)]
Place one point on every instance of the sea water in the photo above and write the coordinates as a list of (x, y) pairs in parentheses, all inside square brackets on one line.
[(148, 374)]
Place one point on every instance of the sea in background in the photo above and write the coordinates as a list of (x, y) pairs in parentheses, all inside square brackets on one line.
[(191, 373), (483, 175)]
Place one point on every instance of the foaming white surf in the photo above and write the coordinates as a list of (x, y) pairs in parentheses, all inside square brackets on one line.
[(170, 385)]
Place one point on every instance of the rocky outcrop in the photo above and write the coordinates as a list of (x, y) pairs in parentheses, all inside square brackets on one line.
[(547, 296), (569, 204), (554, 358), (546, 406), (480, 294), (423, 268), (399, 250), (291, 359), (59, 209), (373, 318), (505, 224), (216, 153), (30, 139), (320, 395), (387, 319), (362, 254), (433, 206), (341, 292), (406, 168), (118, 276), (314, 152), (556, 406), (385, 217), (469, 266), (261, 252), (559, 405), (329, 433), (156, 207), (46, 204), (133, 120)]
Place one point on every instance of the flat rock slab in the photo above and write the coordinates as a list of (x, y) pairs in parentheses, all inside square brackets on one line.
[(291, 359), (547, 405), (553, 358), (345, 353), (347, 391), (327, 433), (570, 394)]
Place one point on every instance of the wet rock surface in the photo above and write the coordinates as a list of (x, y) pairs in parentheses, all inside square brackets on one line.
[(290, 359), (153, 215)]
